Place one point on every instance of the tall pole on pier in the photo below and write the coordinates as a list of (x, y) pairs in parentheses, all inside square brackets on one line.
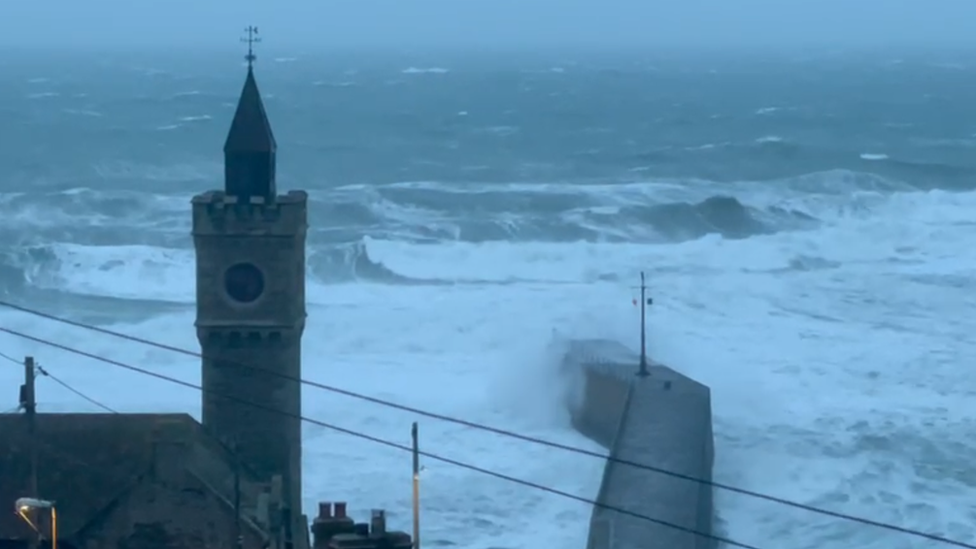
[(416, 487), (644, 301)]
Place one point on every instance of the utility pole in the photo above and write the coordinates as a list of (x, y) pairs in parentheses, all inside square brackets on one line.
[(28, 402), (416, 487), (644, 300), (238, 534)]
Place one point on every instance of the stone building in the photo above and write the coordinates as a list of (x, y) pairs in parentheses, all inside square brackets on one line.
[(130, 481), (147, 481)]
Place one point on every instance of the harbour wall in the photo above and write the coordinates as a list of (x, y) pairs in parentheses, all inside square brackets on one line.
[(662, 421)]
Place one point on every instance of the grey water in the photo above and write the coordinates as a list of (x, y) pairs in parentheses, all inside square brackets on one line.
[(817, 202), (111, 139)]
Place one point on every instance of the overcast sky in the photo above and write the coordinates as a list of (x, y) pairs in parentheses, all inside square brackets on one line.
[(327, 23)]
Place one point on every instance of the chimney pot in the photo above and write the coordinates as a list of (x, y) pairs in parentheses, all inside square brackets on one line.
[(325, 509), (378, 522), (340, 509)]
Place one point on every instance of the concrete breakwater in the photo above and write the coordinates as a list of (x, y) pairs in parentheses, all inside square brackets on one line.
[(663, 421)]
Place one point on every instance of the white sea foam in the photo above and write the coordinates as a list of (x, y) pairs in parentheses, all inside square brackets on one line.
[(428, 70), (128, 272), (82, 112), (466, 371), (873, 156), (845, 386)]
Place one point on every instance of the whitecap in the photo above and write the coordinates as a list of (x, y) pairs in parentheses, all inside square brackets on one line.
[(195, 118), (43, 95), (767, 110), (501, 131), (874, 156), (168, 127), (429, 70), (342, 84), (82, 112), (770, 139)]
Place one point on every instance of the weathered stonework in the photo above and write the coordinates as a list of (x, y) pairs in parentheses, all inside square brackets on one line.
[(252, 351), (164, 481)]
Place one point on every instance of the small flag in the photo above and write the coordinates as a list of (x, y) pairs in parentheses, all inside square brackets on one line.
[(635, 301)]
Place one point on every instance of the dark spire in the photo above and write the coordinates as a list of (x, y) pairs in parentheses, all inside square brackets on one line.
[(249, 152)]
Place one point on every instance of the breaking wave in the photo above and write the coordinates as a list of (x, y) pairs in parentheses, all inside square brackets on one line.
[(133, 246)]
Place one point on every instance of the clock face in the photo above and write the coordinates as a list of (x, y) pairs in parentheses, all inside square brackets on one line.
[(244, 282)]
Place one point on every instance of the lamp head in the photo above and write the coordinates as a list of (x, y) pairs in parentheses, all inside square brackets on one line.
[(26, 504)]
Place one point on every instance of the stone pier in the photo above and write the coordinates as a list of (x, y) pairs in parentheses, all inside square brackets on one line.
[(663, 421)]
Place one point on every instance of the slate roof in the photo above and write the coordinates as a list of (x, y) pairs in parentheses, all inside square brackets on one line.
[(87, 461), (250, 131)]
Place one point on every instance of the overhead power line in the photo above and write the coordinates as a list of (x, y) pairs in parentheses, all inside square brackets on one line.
[(41, 370), (377, 440), (11, 359), (502, 432)]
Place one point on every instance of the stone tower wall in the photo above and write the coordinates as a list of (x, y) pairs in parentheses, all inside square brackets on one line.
[(252, 351)]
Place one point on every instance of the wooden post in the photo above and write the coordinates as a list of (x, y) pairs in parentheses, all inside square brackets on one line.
[(416, 487), (238, 533), (54, 527), (28, 401)]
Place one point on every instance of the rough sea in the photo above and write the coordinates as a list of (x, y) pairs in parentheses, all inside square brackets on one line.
[(807, 224)]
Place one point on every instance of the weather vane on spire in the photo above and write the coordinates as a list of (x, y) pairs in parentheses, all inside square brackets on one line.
[(251, 39)]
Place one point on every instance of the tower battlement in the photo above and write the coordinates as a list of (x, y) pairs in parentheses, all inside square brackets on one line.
[(216, 213)]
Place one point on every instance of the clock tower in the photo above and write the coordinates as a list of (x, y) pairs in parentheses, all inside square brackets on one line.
[(250, 257)]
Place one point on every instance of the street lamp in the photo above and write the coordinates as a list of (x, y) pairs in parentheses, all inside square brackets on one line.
[(24, 505)]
